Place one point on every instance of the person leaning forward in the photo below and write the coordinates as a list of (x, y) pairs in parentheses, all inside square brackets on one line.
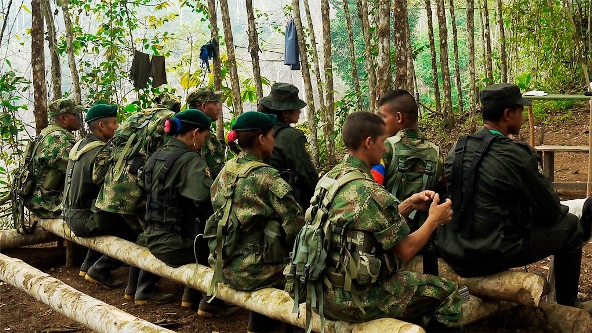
[(256, 205), (208, 101), (506, 214), (81, 191), (372, 215), (50, 159)]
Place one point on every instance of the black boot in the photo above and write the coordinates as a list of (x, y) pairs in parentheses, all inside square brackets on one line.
[(191, 298), (147, 290), (259, 323), (100, 272), (132, 283), (91, 257), (216, 308)]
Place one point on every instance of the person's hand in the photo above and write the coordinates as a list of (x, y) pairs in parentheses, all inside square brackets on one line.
[(420, 201), (440, 213)]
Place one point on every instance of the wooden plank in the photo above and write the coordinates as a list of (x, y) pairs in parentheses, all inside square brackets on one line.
[(552, 148), (570, 186)]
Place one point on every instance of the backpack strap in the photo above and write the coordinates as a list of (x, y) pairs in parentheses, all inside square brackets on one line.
[(76, 153), (236, 171)]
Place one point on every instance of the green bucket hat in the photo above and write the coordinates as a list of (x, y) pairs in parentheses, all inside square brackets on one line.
[(501, 95), (100, 111), (283, 97), (64, 105), (203, 95), (253, 120), (195, 117)]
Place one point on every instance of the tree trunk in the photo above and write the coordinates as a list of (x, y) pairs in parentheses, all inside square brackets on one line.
[(352, 54), (446, 86), (400, 30), (410, 65), (228, 39), (502, 40), (329, 90), (92, 313), (271, 302), (471, 56), (370, 65), (305, 70), (38, 65), (317, 73), (213, 16), (254, 49), (551, 317), (578, 43), (4, 22), (477, 309), (436, 82), (10, 239), (487, 41), (456, 62), (76, 91), (56, 70), (383, 73)]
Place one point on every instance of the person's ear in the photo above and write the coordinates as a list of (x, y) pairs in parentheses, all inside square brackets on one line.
[(102, 126), (507, 113), (368, 142), (399, 118)]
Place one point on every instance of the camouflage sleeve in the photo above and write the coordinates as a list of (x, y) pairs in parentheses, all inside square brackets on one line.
[(286, 208), (101, 163), (55, 150)]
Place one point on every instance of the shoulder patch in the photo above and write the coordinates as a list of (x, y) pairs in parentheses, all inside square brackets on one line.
[(280, 188)]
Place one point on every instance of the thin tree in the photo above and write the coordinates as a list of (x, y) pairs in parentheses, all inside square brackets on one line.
[(38, 66), (400, 29), (76, 91), (446, 86), (487, 41), (471, 56), (502, 40), (305, 70), (410, 66), (352, 54), (254, 48), (432, 39), (56, 71), (329, 90), (383, 73), (578, 43), (370, 66), (229, 41), (456, 62), (214, 34), (4, 22)]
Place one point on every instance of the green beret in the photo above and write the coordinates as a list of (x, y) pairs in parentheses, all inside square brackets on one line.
[(100, 111), (283, 97), (64, 105), (253, 120), (203, 95), (196, 117)]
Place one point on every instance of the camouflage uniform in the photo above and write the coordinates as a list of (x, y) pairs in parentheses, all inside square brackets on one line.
[(50, 161), (261, 196), (365, 206)]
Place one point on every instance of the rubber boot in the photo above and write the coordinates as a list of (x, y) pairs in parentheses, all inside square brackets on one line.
[(191, 298), (148, 292), (91, 257), (100, 272), (216, 308), (259, 323), (132, 283)]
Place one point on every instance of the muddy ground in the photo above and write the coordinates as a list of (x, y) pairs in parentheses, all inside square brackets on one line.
[(19, 312)]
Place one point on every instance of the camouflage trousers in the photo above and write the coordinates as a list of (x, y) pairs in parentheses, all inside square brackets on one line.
[(413, 297)]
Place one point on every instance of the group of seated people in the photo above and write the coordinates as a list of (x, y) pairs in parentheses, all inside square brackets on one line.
[(165, 181)]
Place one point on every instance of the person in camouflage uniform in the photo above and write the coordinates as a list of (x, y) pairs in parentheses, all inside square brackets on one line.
[(81, 192), (209, 102), (289, 154), (364, 206), (50, 159), (138, 137), (261, 200)]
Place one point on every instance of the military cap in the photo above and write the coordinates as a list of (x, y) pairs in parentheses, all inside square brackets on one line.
[(501, 95), (253, 120), (100, 111), (203, 95), (64, 105), (283, 97), (196, 117), (168, 100)]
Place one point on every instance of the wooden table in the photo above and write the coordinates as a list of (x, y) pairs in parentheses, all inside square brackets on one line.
[(550, 150)]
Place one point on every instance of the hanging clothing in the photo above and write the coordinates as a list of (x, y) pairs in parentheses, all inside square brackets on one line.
[(140, 71), (157, 71), (292, 52)]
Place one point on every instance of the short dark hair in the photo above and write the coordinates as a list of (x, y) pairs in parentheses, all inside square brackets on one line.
[(495, 113), (402, 101), (93, 126), (246, 139), (360, 125)]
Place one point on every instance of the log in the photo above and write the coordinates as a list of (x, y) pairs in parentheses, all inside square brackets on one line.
[(271, 302), (92, 313), (517, 287), (550, 318), (10, 239), (477, 309)]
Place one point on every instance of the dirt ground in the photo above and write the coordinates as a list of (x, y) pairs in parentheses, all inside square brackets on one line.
[(19, 312)]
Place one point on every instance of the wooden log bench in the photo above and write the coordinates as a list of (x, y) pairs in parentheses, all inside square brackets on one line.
[(548, 154)]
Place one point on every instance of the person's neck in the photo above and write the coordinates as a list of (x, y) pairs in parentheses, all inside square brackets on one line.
[(496, 127), (255, 151), (362, 156), (101, 136)]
